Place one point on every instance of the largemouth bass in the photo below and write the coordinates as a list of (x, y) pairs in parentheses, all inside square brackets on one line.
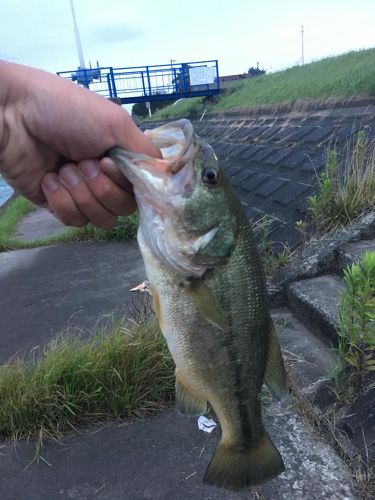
[(210, 297)]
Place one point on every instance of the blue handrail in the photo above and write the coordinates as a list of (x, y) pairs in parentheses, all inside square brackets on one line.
[(150, 83)]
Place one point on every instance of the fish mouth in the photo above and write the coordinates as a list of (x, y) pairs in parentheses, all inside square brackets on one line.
[(161, 187), (171, 175)]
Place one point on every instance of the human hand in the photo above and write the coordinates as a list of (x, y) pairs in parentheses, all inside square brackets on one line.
[(53, 135)]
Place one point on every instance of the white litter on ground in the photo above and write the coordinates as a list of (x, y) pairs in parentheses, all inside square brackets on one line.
[(206, 424)]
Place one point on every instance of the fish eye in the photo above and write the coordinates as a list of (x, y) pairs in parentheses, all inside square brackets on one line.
[(210, 176)]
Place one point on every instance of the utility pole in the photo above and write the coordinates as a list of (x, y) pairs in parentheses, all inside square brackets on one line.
[(303, 48), (173, 73), (78, 38)]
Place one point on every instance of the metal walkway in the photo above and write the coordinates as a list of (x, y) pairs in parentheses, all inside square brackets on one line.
[(150, 83)]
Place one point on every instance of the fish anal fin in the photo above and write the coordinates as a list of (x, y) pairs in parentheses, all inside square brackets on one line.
[(207, 304), (275, 376), (235, 468), (187, 402)]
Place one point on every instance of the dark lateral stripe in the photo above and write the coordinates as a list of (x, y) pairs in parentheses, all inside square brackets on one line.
[(240, 388)]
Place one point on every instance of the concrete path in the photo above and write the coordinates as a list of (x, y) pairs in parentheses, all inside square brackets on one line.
[(39, 224), (44, 290), (164, 457)]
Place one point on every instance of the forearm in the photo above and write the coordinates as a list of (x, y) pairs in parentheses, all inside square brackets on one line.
[(78, 122)]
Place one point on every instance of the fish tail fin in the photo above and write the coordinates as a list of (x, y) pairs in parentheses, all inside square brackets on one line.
[(235, 468)]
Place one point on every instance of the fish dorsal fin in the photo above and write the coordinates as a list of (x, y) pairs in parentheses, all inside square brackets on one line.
[(275, 375), (206, 303)]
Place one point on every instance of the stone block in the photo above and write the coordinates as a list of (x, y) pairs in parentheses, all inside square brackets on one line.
[(316, 302), (263, 153), (295, 159), (270, 185), (353, 252), (279, 156), (253, 182), (249, 152), (290, 192), (319, 133)]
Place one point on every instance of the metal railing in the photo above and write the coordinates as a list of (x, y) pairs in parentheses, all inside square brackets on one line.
[(150, 83)]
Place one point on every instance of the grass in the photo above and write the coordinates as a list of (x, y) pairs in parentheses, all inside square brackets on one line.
[(12, 215), (341, 76), (17, 209), (346, 187), (186, 107), (125, 229), (122, 370), (274, 255), (357, 326)]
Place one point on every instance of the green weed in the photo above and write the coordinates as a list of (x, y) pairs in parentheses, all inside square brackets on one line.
[(125, 229), (185, 107), (357, 319), (122, 370), (10, 217), (274, 255), (346, 188)]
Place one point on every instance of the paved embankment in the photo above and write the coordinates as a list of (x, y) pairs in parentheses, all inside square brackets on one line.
[(274, 158)]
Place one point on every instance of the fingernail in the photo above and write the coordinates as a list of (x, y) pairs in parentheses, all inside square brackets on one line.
[(89, 168), (69, 176), (50, 183)]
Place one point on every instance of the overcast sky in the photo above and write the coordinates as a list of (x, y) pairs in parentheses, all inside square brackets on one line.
[(238, 33)]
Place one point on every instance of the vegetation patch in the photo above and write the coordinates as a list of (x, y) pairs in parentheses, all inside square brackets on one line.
[(182, 108), (357, 327), (274, 254), (125, 229), (12, 215), (122, 370), (346, 187)]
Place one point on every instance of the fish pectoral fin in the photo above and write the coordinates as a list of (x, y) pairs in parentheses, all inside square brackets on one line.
[(235, 468), (275, 375), (187, 402), (207, 304)]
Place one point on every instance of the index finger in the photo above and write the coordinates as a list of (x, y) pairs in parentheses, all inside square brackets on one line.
[(110, 168)]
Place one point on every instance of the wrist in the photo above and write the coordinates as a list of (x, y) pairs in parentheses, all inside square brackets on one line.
[(13, 78), (4, 106)]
